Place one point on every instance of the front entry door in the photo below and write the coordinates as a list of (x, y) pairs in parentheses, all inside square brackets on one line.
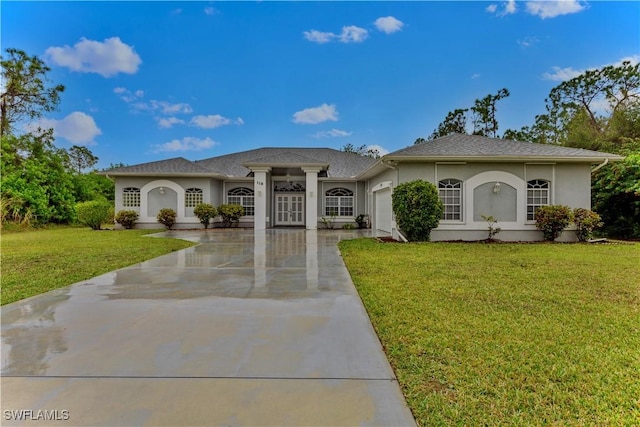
[(290, 209)]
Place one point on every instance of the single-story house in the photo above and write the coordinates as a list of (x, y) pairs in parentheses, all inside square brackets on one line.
[(283, 187)]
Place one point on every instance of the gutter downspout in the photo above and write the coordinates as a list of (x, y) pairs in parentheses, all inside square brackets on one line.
[(600, 165)]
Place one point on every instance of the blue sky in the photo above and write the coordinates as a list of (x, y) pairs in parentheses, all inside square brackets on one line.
[(154, 80)]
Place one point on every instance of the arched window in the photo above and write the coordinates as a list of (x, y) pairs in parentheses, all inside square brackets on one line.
[(338, 202), (537, 195), (192, 197), (131, 197), (450, 192), (242, 196)]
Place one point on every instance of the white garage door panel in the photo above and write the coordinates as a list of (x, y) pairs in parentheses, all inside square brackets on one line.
[(383, 210)]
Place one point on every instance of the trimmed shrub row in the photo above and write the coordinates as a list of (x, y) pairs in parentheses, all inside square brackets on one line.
[(553, 219)]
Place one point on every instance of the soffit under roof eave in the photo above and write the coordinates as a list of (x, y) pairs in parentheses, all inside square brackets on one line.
[(504, 159), (164, 175), (286, 165)]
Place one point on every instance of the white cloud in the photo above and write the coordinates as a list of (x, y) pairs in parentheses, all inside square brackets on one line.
[(475, 76), (353, 34), (492, 8), (213, 121), (319, 37), (127, 96), (388, 24), (551, 9), (78, 128), (163, 107), (167, 122), (509, 8), (383, 151), (333, 133), (188, 143), (210, 10), (349, 34), (177, 11), (528, 41), (316, 114), (106, 58), (568, 73)]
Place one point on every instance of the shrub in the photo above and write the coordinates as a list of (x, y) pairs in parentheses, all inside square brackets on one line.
[(230, 214), (552, 220), (204, 212), (418, 209), (126, 218), (167, 217), (348, 226), (586, 221), (492, 222), (93, 214)]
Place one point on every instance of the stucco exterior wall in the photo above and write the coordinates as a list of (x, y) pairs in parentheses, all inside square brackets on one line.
[(573, 185)]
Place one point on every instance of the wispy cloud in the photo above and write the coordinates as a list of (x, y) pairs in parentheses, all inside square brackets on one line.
[(168, 122), (528, 41), (543, 9), (551, 9), (210, 10), (106, 58), (388, 24), (78, 128), (213, 121), (475, 76), (187, 143), (316, 115), (349, 34), (333, 133), (568, 73)]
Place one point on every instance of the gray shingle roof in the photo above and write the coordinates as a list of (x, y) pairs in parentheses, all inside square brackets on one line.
[(459, 146), (177, 165), (341, 164)]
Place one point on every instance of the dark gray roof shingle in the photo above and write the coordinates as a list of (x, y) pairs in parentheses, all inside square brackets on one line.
[(461, 145), (177, 165)]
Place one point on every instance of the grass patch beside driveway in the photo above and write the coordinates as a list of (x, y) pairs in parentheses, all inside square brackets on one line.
[(524, 334), (38, 261)]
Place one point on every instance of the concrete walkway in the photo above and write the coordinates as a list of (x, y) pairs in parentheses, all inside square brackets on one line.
[(247, 328)]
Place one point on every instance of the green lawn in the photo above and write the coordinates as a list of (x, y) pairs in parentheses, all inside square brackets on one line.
[(511, 334), (38, 261)]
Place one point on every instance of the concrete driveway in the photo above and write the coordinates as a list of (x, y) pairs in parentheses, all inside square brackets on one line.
[(247, 328)]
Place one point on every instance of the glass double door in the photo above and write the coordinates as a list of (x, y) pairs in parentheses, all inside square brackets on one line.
[(290, 209)]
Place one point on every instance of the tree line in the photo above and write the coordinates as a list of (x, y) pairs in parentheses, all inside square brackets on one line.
[(40, 182)]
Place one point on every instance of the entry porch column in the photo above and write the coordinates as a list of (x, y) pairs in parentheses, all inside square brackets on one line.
[(312, 196), (260, 195)]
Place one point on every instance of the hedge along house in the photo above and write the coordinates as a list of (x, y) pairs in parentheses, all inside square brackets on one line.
[(279, 187)]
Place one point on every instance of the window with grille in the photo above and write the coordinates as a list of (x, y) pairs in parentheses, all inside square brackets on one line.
[(131, 197), (192, 197), (244, 197), (338, 202), (450, 192), (537, 195)]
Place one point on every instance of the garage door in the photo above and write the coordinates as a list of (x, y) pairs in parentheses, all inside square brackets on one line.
[(383, 210)]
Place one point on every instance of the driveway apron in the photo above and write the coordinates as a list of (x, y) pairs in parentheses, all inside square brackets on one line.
[(246, 328)]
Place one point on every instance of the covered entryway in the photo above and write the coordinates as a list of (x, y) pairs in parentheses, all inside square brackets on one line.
[(290, 209)]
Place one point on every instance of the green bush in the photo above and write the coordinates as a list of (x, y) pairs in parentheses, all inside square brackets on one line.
[(126, 218), (586, 221), (230, 214), (348, 226), (93, 214), (418, 209), (204, 212), (552, 220), (167, 217)]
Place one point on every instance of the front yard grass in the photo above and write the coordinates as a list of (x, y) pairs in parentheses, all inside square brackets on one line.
[(38, 261), (507, 334)]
